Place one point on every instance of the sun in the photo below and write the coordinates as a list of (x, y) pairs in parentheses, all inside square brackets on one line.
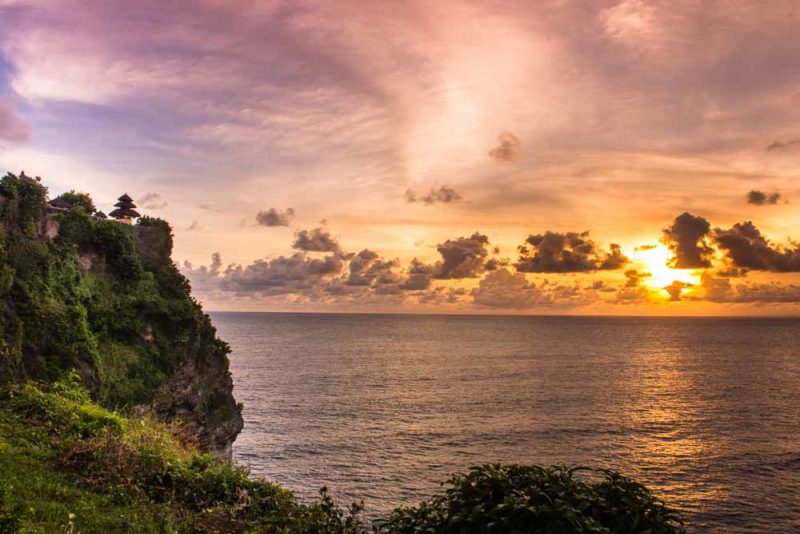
[(654, 260)]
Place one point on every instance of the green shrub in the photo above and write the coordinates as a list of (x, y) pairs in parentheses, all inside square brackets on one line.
[(64, 407), (516, 498), (9, 520), (79, 200), (24, 203), (155, 242)]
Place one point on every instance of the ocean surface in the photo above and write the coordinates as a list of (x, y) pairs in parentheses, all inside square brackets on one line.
[(706, 412)]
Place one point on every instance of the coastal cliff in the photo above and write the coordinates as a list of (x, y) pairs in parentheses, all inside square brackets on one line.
[(104, 299), (112, 378)]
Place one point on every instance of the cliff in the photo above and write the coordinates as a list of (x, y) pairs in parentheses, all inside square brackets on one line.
[(105, 300)]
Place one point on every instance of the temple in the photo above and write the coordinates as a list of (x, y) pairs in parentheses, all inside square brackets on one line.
[(125, 211)]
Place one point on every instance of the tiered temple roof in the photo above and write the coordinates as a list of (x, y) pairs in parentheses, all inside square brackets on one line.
[(125, 208)]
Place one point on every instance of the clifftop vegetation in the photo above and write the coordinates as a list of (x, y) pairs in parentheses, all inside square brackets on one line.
[(105, 300)]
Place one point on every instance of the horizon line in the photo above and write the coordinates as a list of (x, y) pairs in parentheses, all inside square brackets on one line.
[(505, 315)]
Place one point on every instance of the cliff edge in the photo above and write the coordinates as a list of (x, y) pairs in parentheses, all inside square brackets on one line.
[(102, 298)]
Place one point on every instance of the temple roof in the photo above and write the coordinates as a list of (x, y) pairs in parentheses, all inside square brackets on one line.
[(125, 198), (100, 215), (61, 202), (124, 213)]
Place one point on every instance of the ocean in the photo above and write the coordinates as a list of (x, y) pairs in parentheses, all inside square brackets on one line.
[(382, 408)]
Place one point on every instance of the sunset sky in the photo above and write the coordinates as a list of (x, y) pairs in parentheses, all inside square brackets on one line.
[(395, 156)]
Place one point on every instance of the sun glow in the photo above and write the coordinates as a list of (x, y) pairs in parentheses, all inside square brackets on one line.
[(654, 261)]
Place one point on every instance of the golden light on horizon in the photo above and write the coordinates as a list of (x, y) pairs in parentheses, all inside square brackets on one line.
[(655, 261)]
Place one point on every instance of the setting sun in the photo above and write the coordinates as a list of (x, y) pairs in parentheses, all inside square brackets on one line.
[(654, 261)]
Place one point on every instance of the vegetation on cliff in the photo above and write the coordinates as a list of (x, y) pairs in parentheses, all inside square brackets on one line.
[(105, 299), (66, 460)]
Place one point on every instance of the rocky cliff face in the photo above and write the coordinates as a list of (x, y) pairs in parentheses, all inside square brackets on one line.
[(200, 398), (104, 299)]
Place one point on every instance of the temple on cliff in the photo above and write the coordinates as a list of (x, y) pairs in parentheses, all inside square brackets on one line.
[(125, 211)]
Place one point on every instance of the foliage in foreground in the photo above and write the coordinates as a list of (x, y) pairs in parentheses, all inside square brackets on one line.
[(519, 498), (65, 460)]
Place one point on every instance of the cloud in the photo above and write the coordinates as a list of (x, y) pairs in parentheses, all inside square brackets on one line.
[(444, 194), (12, 128), (745, 247), (722, 290), (368, 269), (782, 145), (569, 252), (195, 227), (273, 217), (634, 277), (418, 276), (759, 198), (675, 289), (152, 201), (464, 257), (316, 240), (508, 148), (281, 275), (687, 239), (503, 289)]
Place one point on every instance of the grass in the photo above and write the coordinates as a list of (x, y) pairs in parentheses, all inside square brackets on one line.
[(69, 464)]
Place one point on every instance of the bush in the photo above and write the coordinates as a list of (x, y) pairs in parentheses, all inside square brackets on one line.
[(516, 498), (64, 407), (155, 242), (9, 521), (79, 200), (24, 203)]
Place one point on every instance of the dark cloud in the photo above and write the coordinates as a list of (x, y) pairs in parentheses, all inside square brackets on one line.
[(418, 277), (464, 257), (507, 149), (732, 272), (782, 145), (687, 239), (195, 227), (444, 194), (495, 263), (273, 217), (281, 275), (368, 269), (759, 198), (675, 289), (316, 240), (152, 201), (745, 247), (634, 277), (570, 252), (12, 128)]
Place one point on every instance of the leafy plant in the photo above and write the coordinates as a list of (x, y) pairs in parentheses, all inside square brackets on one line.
[(79, 200), (518, 498)]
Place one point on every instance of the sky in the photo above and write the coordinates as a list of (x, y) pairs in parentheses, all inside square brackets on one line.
[(570, 157)]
